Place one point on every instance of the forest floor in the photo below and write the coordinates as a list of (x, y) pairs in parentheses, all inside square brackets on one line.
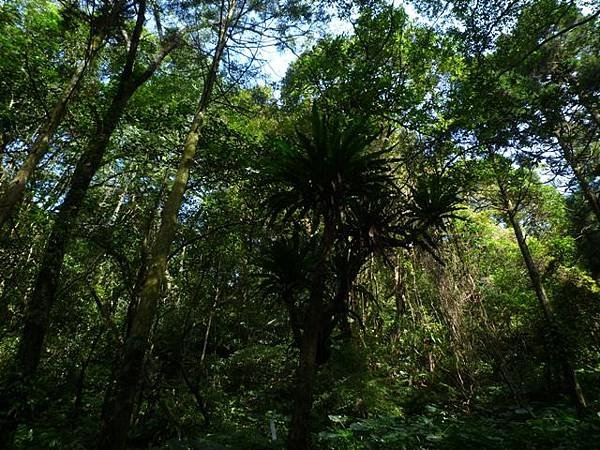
[(428, 421)]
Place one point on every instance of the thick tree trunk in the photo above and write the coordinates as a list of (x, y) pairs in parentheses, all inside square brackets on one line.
[(37, 316), (38, 309), (336, 313), (288, 300), (120, 400), (121, 395), (557, 339)]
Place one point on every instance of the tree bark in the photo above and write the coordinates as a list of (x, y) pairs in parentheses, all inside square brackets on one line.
[(12, 194), (120, 396), (119, 402), (584, 185), (587, 191), (299, 435), (38, 310), (558, 340), (37, 315), (336, 313)]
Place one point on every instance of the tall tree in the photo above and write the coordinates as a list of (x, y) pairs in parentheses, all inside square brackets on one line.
[(328, 176), (100, 25), (495, 107), (514, 192), (42, 298), (339, 184), (563, 98), (541, 58), (38, 310), (235, 20)]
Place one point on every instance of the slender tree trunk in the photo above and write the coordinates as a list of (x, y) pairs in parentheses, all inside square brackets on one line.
[(80, 384), (13, 403), (558, 340), (398, 291), (12, 194), (299, 435), (4, 142), (120, 400), (120, 397), (37, 315), (584, 185), (588, 193), (208, 325), (336, 313)]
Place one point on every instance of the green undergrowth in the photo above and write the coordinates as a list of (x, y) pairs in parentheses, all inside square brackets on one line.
[(549, 427), (419, 424)]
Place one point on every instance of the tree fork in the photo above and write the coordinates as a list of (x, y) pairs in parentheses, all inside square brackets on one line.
[(38, 310), (120, 396)]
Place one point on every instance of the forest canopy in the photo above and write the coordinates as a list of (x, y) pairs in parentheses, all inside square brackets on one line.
[(395, 245)]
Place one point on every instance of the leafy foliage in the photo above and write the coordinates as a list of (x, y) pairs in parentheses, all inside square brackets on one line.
[(417, 200)]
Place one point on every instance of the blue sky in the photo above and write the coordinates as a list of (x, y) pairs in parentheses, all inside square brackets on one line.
[(277, 62)]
